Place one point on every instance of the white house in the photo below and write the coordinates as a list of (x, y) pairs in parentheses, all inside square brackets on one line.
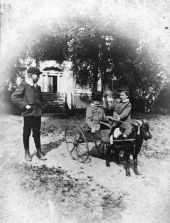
[(59, 79)]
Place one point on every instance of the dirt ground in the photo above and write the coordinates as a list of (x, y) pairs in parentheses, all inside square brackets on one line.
[(64, 190)]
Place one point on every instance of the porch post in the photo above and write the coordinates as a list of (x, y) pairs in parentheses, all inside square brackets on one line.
[(46, 83)]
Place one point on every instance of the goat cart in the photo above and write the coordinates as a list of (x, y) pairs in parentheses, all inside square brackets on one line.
[(80, 142)]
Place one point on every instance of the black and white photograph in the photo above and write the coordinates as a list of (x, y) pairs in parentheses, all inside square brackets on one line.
[(84, 111)]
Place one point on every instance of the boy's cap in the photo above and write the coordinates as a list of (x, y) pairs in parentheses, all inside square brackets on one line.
[(97, 96), (34, 70)]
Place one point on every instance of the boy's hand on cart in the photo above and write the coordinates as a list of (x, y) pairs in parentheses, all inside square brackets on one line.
[(114, 118), (109, 118)]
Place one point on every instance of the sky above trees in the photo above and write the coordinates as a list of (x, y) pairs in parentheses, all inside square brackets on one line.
[(142, 23)]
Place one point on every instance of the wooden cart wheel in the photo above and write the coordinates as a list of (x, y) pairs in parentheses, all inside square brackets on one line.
[(101, 144), (76, 143)]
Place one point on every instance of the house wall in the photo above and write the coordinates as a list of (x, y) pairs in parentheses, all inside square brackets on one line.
[(65, 81)]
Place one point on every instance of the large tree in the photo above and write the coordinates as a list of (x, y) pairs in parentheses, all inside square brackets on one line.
[(99, 52)]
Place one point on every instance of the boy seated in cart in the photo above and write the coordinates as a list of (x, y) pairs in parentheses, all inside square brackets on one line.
[(95, 113), (121, 117), (120, 125)]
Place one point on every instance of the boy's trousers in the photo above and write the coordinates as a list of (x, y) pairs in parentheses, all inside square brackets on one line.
[(32, 123)]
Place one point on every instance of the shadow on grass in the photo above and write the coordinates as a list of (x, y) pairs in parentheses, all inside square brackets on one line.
[(113, 158), (49, 146), (94, 153), (67, 115)]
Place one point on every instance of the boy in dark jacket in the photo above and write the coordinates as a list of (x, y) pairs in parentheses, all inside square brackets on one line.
[(28, 98)]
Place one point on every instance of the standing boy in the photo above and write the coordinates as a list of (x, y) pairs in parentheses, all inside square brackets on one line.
[(28, 98)]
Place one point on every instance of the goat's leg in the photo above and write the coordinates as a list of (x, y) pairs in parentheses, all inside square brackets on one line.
[(135, 165), (127, 165), (108, 152), (116, 155)]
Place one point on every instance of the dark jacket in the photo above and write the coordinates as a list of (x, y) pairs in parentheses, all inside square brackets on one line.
[(26, 94), (95, 114)]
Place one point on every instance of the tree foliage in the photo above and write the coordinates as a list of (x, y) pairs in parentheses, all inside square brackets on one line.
[(47, 47), (83, 51), (100, 53)]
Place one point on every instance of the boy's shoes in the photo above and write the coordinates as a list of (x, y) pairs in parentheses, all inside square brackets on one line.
[(107, 164), (43, 153), (41, 156), (28, 157)]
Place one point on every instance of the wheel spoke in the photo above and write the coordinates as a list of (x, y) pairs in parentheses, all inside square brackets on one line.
[(76, 143), (80, 154), (72, 148)]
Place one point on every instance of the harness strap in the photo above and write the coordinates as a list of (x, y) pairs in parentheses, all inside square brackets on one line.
[(140, 122), (137, 123), (138, 132)]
